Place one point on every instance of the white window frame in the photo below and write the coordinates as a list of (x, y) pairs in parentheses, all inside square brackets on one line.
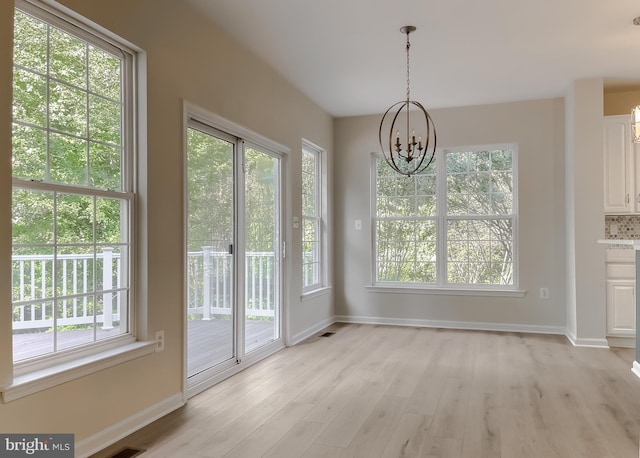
[(441, 286), (42, 372), (318, 219)]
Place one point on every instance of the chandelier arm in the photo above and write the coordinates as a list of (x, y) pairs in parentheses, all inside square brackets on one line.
[(393, 123), (429, 124), (388, 156)]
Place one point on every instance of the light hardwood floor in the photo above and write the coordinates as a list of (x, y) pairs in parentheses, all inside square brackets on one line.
[(383, 391)]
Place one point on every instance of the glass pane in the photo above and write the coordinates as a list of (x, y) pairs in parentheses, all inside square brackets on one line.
[(67, 109), (30, 43), (29, 98), (32, 217), (32, 273), (481, 161), (476, 188), (309, 184), (104, 120), (457, 162), (502, 160), (111, 300), (68, 58), (109, 220), (29, 147), (32, 326), (74, 219), (262, 248), (406, 251), (310, 252), (105, 166), (74, 322), (116, 323), (210, 282), (502, 182), (68, 158), (480, 252), (104, 73)]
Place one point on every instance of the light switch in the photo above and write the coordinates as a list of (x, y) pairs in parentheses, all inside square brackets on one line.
[(358, 225)]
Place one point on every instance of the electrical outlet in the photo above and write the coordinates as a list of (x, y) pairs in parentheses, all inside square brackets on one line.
[(159, 341), (544, 293), (613, 229)]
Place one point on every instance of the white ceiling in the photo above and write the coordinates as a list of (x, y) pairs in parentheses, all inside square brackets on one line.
[(349, 57)]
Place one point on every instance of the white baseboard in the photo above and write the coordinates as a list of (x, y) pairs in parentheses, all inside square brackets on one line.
[(622, 342), (581, 342), (636, 368), (474, 326), (299, 337), (112, 434)]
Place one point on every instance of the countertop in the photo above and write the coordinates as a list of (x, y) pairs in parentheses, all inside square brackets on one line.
[(631, 243)]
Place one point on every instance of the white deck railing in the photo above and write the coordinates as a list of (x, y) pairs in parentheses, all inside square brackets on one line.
[(32, 283), (210, 275), (209, 288)]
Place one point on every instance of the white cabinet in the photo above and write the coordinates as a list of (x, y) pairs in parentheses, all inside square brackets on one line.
[(621, 297), (621, 169)]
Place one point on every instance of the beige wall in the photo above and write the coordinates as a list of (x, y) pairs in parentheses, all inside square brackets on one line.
[(618, 103), (188, 59), (538, 129)]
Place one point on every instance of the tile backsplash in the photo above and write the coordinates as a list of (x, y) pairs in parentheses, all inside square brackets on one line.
[(628, 226)]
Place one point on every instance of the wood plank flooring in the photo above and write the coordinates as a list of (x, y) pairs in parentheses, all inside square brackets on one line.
[(381, 391)]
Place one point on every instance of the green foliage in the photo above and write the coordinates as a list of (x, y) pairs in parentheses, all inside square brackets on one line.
[(209, 192), (63, 133), (261, 206)]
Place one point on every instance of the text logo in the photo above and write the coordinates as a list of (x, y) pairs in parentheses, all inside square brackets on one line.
[(37, 445)]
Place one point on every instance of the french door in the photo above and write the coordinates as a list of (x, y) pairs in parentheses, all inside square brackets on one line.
[(233, 260)]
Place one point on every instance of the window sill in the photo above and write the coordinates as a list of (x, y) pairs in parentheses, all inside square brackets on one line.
[(38, 380), (446, 291), (322, 291)]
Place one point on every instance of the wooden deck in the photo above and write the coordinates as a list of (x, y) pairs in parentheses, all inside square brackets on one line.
[(209, 341)]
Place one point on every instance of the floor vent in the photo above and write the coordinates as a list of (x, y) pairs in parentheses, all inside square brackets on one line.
[(128, 453), (327, 334)]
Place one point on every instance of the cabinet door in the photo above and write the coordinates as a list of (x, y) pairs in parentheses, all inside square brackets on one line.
[(621, 308), (617, 168)]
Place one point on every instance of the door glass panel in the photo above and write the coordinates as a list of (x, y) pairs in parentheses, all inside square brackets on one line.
[(209, 264), (262, 262)]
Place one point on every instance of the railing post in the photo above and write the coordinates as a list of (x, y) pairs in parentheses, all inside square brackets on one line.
[(107, 285), (206, 282)]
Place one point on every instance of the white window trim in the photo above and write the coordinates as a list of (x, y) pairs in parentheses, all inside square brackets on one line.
[(31, 376), (317, 289), (441, 287)]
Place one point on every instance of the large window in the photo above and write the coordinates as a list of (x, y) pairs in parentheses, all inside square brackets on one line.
[(72, 186), (454, 225), (312, 220)]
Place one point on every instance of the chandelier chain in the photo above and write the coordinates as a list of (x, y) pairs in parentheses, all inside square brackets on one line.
[(408, 80)]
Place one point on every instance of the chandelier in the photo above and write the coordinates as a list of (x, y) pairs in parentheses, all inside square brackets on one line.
[(407, 156)]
